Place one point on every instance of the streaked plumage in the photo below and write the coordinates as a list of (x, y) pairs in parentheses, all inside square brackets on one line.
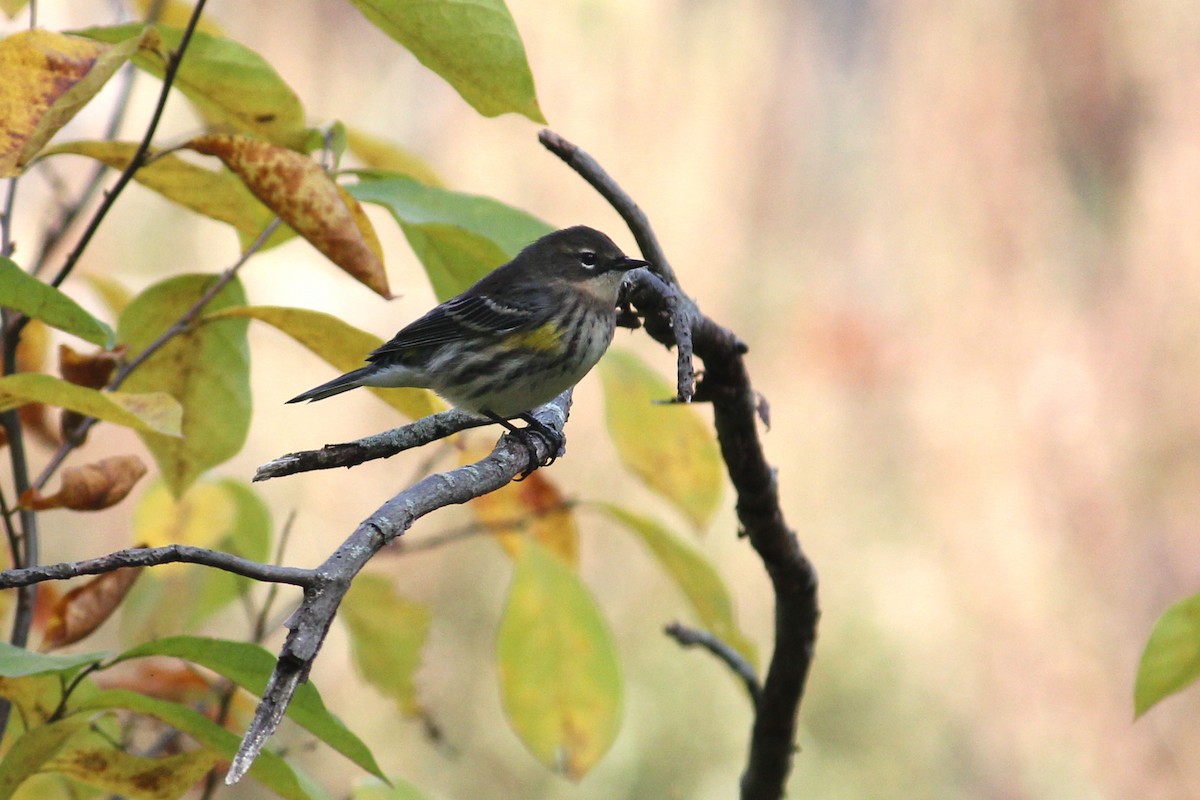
[(523, 334)]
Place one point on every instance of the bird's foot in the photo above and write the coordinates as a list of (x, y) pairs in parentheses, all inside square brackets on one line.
[(534, 427)]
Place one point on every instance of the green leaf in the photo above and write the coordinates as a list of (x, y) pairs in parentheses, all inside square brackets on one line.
[(218, 195), (473, 44), (458, 237), (666, 446), (225, 515), (706, 593), (1171, 660), (206, 368), (373, 790), (341, 345), (33, 749), (151, 414), (269, 769), (387, 633), (226, 81), (559, 679), (42, 301), (17, 662), (250, 666)]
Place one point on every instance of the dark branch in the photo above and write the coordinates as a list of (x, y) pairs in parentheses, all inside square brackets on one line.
[(726, 384), (380, 445), (311, 621), (691, 637), (152, 557)]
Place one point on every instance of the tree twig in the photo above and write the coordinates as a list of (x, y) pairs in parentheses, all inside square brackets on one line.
[(152, 557), (379, 445), (693, 637), (139, 155), (726, 384), (310, 623)]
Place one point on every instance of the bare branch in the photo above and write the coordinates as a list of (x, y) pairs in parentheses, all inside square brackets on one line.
[(726, 384), (692, 637), (152, 557), (379, 445), (139, 157), (311, 621)]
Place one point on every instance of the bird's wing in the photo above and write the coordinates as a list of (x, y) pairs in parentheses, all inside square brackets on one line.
[(462, 317)]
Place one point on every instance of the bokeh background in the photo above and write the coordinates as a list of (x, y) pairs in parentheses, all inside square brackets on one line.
[(961, 240)]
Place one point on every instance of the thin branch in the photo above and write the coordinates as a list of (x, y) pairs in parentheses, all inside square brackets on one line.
[(311, 621), (139, 156), (6, 218), (152, 557), (591, 171), (726, 384), (68, 214), (692, 637), (379, 445)]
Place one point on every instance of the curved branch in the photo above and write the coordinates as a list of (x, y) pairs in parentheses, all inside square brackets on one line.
[(726, 384), (310, 622), (693, 637)]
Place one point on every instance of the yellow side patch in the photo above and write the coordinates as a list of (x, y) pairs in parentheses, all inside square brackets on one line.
[(547, 338)]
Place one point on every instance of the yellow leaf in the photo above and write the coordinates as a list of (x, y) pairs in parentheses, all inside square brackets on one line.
[(387, 633), (378, 153), (163, 778), (559, 680), (218, 195), (153, 412), (48, 77), (201, 517), (695, 577), (177, 14), (296, 188), (666, 446), (530, 509)]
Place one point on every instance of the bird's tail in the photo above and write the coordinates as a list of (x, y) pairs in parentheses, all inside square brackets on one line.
[(342, 383)]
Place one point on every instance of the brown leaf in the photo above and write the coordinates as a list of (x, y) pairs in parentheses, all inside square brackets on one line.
[(31, 357), (93, 370), (82, 610), (296, 188), (91, 487)]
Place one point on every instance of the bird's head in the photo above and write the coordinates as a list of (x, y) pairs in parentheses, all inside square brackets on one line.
[(582, 256)]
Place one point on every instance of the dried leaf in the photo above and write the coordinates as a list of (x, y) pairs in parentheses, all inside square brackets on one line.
[(296, 188), (82, 610), (93, 370), (91, 487)]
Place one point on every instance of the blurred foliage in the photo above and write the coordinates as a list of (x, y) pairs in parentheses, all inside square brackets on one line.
[(180, 353)]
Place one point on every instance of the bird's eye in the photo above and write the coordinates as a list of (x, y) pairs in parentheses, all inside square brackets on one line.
[(587, 258)]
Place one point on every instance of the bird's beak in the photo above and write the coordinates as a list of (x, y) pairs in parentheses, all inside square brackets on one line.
[(626, 264)]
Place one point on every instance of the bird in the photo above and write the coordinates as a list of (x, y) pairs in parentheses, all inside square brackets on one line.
[(517, 338)]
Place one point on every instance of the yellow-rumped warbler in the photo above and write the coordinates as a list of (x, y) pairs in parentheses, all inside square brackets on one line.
[(519, 337)]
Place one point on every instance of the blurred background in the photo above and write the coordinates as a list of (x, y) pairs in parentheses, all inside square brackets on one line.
[(961, 242)]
